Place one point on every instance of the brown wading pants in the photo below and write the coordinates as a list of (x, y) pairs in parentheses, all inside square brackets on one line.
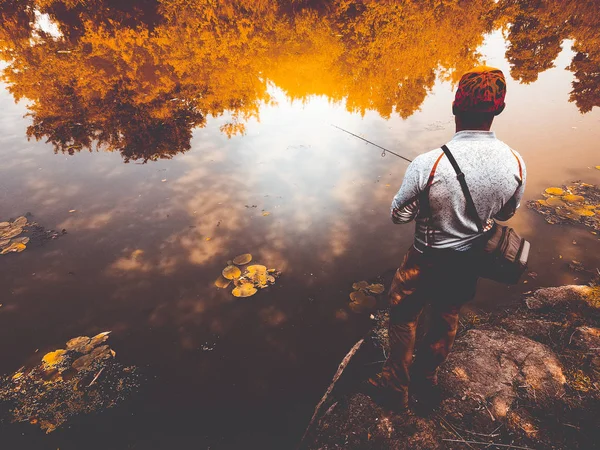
[(445, 279)]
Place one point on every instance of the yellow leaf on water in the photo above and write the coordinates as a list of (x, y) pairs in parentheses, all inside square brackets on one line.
[(266, 213), (19, 222), (54, 358), (583, 212), (13, 248), (222, 282), (78, 344), (11, 232), (231, 272), (207, 239), (99, 338), (256, 268), (4, 225), (242, 259), (570, 198), (555, 201), (543, 202), (244, 290), (360, 285), (554, 191), (376, 288), (17, 375), (598, 167)]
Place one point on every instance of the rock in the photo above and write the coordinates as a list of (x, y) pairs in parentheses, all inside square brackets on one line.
[(493, 368), (571, 294), (536, 329), (586, 339)]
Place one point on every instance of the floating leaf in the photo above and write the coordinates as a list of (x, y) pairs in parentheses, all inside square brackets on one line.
[(555, 201), (21, 240), (571, 198), (543, 202), (13, 248), (256, 268), (242, 259), (54, 358), (100, 338), (554, 191), (361, 302), (78, 344), (376, 288), (20, 222), (582, 212), (98, 354), (222, 282), (258, 274), (244, 290), (231, 272), (4, 242), (598, 167), (360, 285), (266, 213), (11, 232), (4, 225)]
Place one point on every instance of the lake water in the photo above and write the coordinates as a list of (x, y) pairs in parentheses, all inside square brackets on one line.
[(170, 128)]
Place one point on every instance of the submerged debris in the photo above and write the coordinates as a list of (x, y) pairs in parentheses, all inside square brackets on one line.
[(81, 379), (248, 282), (578, 203)]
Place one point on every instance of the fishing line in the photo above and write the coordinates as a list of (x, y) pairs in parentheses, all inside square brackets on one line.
[(385, 150)]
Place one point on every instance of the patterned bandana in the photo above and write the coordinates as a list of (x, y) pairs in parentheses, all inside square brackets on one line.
[(481, 89)]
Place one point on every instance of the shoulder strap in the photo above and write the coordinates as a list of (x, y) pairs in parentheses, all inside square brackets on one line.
[(471, 210)]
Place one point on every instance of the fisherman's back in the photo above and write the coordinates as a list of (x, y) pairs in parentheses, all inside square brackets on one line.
[(494, 173)]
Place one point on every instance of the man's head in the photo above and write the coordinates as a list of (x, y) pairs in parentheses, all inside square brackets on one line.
[(479, 98)]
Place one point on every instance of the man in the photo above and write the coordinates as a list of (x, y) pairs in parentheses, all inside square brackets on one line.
[(441, 268)]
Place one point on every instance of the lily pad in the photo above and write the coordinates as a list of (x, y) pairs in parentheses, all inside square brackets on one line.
[(242, 259), (376, 288), (244, 290), (13, 248), (11, 232), (78, 344), (222, 282), (583, 212), (54, 358), (231, 272), (555, 201), (360, 285), (555, 191), (20, 222), (361, 302), (571, 198)]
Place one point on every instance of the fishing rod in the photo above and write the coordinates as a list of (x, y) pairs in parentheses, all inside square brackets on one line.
[(385, 150)]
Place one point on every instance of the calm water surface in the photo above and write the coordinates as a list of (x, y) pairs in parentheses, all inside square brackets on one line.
[(163, 123)]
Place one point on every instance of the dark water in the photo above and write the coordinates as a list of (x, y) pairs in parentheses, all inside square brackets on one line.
[(231, 104)]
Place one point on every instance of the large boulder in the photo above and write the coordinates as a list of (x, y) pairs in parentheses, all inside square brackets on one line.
[(565, 296), (489, 369)]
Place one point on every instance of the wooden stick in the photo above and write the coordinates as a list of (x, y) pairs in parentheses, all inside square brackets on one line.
[(325, 397), (488, 443)]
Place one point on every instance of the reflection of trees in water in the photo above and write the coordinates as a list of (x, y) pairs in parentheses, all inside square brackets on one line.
[(138, 76), (538, 29)]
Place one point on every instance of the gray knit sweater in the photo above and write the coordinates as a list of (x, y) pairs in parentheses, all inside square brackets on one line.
[(431, 194)]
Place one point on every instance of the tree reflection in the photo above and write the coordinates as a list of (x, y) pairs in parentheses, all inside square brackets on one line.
[(138, 76)]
